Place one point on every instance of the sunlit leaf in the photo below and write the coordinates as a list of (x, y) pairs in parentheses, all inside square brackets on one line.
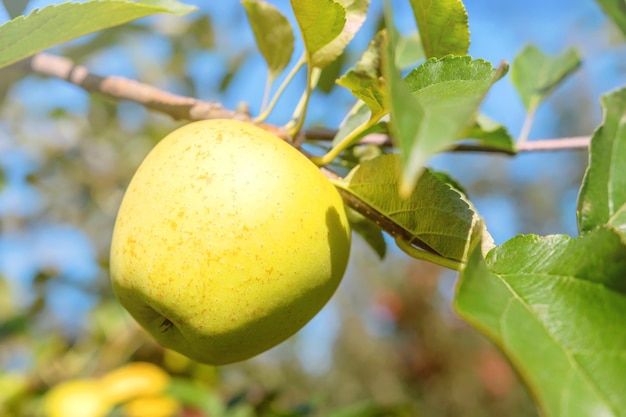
[(603, 193), (52, 25), (616, 10), (355, 12), (443, 27), (435, 215), (320, 22), (273, 34), (535, 75), (365, 79), (555, 305)]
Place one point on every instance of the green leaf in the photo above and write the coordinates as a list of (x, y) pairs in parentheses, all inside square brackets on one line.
[(406, 112), (491, 135), (355, 12), (369, 231), (443, 27), (409, 51), (273, 34), (602, 197), (556, 307), (616, 10), (358, 116), (365, 79), (320, 22), (52, 25), (435, 215), (330, 73), (446, 97), (535, 75), (15, 7)]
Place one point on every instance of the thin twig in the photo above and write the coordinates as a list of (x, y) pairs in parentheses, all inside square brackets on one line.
[(528, 124), (179, 107), (559, 144), (542, 145), (120, 88), (188, 108)]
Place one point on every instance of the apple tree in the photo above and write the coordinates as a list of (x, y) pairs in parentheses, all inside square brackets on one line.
[(550, 303)]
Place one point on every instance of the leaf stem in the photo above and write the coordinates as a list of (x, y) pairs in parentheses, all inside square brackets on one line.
[(299, 114), (528, 122), (281, 89), (413, 252), (266, 92), (345, 142)]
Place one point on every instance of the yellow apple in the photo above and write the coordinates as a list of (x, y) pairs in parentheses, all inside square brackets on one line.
[(136, 379), (228, 240), (77, 398), (156, 406)]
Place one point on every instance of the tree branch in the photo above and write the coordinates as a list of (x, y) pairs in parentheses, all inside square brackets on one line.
[(120, 88), (555, 144), (188, 108)]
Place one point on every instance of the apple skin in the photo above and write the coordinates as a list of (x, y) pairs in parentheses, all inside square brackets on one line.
[(227, 242)]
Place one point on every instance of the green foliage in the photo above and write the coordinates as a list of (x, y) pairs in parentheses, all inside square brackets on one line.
[(358, 116), (564, 294), (443, 27), (328, 26), (273, 35), (433, 106), (616, 11), (554, 306), (409, 51), (491, 135), (443, 228), (52, 25), (535, 75), (365, 79), (602, 198), (320, 23), (359, 123)]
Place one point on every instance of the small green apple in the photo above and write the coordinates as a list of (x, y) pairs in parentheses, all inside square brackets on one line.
[(227, 242)]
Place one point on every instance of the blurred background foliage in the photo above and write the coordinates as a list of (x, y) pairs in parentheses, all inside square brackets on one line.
[(388, 344)]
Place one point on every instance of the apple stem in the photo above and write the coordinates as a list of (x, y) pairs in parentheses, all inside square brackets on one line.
[(279, 92)]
